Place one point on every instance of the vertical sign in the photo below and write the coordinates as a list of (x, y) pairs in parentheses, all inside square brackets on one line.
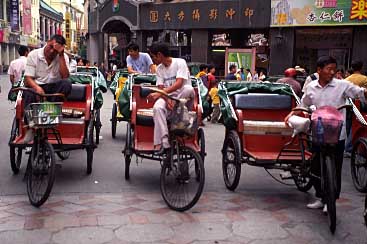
[(67, 30), (27, 17), (78, 32), (14, 15)]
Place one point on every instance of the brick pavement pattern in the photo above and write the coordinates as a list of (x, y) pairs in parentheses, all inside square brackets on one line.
[(144, 218)]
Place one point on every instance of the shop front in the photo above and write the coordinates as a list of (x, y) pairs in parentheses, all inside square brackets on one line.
[(200, 31), (303, 30)]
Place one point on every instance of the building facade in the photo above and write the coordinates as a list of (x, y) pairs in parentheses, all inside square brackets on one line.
[(50, 22)]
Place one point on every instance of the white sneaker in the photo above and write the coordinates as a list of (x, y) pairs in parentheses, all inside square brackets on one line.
[(29, 135), (315, 205), (324, 210)]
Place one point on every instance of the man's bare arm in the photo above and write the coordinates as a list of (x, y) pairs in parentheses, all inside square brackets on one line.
[(64, 71), (31, 83), (153, 68), (12, 78), (177, 85)]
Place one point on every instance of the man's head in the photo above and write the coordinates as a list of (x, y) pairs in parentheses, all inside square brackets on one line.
[(291, 72), (133, 50), (232, 68), (357, 65), (159, 51), (248, 70), (211, 69), (23, 51), (203, 67), (55, 43), (326, 68)]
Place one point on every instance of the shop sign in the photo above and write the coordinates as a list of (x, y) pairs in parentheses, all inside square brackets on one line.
[(201, 14), (27, 17), (1, 35), (23, 40), (318, 12), (4, 35), (67, 30), (242, 58), (14, 15), (13, 38), (33, 42)]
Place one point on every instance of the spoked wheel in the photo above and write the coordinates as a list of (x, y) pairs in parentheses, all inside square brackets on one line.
[(330, 189), (359, 165), (63, 155), (127, 151), (201, 142), (114, 120), (302, 180), (41, 173), (231, 160), (181, 182), (90, 146), (15, 152), (98, 125)]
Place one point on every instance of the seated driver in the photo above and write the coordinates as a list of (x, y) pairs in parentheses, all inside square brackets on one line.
[(173, 77)]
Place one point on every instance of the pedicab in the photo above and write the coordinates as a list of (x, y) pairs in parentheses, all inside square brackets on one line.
[(257, 135), (59, 128), (182, 169), (359, 141)]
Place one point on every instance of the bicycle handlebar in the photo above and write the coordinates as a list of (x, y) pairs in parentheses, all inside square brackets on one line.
[(39, 94), (309, 111), (167, 95)]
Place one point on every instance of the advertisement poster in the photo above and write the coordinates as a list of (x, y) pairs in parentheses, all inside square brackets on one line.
[(242, 58), (27, 17), (14, 15), (318, 12)]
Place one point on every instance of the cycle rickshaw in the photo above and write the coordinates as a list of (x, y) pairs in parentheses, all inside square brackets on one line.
[(257, 135), (60, 128), (182, 169)]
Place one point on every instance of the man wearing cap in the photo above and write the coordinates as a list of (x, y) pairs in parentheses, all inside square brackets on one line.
[(290, 79)]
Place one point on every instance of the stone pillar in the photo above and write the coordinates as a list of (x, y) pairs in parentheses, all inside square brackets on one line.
[(281, 50), (6, 57), (48, 28), (43, 24), (199, 46), (52, 30)]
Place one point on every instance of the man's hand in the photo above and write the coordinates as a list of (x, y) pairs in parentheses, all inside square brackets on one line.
[(39, 90), (59, 48), (153, 96)]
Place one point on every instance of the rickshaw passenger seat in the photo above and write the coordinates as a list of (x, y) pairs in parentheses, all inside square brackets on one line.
[(262, 101), (145, 91), (78, 93)]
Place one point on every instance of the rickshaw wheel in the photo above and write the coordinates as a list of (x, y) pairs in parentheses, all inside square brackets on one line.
[(63, 155), (201, 142), (182, 179), (98, 125), (231, 160), (127, 151), (330, 189), (90, 146), (114, 120), (358, 165), (15, 153), (41, 173), (365, 211)]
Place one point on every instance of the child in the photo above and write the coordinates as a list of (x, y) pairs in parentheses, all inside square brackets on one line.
[(215, 102)]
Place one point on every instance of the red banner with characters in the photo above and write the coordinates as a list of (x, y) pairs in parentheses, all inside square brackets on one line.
[(27, 17)]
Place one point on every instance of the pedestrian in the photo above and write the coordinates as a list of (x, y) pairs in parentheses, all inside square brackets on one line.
[(348, 72), (262, 76), (357, 77), (80, 62), (255, 77), (203, 74), (248, 75), (290, 79), (328, 91), (232, 72), (239, 75), (215, 102), (17, 66), (174, 78), (46, 71), (72, 62), (138, 62), (339, 74), (211, 76)]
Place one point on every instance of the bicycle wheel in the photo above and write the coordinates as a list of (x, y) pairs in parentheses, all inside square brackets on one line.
[(201, 142), (114, 120), (181, 182), (98, 125), (330, 189), (127, 151), (231, 160), (358, 165), (15, 152), (63, 155), (365, 211), (90, 146), (41, 174)]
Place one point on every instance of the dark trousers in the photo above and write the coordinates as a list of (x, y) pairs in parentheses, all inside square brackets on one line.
[(316, 169), (61, 86), (216, 113)]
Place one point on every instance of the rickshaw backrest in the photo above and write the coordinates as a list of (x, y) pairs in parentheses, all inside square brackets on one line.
[(262, 101), (78, 92), (145, 91)]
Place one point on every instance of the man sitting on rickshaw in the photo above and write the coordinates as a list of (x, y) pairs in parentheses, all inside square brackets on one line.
[(46, 71), (173, 78)]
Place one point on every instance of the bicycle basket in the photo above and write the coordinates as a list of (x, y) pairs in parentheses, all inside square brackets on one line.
[(44, 114), (182, 121), (331, 131)]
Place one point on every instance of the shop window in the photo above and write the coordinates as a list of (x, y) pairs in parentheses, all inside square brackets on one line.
[(221, 40)]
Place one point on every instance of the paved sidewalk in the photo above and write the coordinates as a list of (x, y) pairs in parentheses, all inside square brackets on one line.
[(144, 218)]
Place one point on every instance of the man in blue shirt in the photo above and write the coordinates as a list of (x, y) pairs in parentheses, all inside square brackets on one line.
[(138, 62)]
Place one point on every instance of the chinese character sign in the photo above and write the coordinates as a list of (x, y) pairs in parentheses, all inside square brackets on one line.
[(27, 17), (67, 30), (14, 15), (318, 12)]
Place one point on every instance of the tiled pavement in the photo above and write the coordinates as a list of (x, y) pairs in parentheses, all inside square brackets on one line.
[(144, 218)]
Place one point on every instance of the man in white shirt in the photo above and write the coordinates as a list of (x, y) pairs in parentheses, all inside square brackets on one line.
[(17, 66), (174, 78), (47, 71), (138, 62), (312, 77)]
